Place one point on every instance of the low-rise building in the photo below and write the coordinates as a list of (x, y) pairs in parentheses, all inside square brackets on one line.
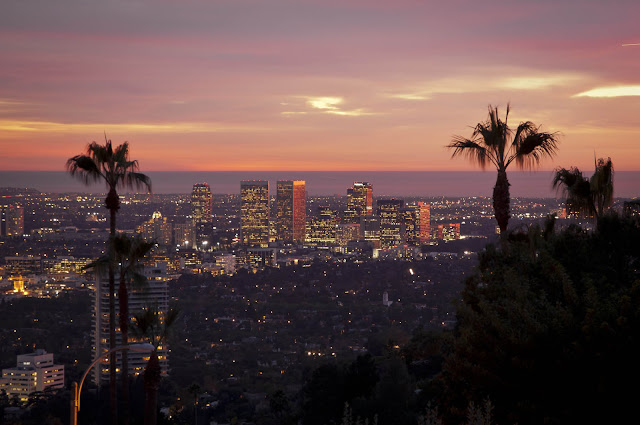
[(33, 372)]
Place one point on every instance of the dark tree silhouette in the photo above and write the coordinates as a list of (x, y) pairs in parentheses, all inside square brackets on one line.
[(116, 170), (128, 253), (154, 327), (591, 197), (492, 141)]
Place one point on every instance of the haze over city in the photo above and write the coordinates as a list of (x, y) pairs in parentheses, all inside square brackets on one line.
[(318, 85)]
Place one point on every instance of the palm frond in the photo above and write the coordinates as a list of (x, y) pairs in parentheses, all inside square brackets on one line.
[(470, 149), (533, 148)]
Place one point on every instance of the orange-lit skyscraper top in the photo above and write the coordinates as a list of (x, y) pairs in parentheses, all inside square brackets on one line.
[(291, 204), (359, 202), (201, 204), (254, 213)]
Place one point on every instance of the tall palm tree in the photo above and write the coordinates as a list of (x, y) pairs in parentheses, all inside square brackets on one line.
[(592, 197), (116, 170), (492, 141), (129, 252), (155, 328)]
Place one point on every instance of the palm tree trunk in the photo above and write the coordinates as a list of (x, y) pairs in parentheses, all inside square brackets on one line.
[(123, 300), (151, 383), (112, 203), (501, 200)]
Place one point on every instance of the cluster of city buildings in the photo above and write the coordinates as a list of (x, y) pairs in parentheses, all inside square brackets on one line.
[(390, 224)]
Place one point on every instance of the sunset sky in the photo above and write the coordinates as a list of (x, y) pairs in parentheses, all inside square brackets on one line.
[(313, 85)]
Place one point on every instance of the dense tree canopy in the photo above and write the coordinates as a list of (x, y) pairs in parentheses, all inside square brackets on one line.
[(549, 327)]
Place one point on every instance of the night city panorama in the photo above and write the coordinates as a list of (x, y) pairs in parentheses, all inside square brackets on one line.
[(316, 213)]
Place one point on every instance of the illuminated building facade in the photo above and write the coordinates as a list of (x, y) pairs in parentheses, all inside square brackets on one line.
[(449, 232), (291, 211), (154, 295), (322, 228), (157, 229), (201, 204), (23, 265), (389, 212), (254, 213), (359, 202), (184, 234), (346, 233), (410, 223), (370, 229), (11, 220), (33, 372), (424, 211)]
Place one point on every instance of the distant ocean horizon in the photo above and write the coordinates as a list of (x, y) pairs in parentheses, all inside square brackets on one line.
[(526, 184)]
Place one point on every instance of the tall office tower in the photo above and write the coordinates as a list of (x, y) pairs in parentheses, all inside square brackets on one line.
[(11, 220), (424, 210), (390, 222), (154, 295), (409, 218), (370, 229), (184, 234), (359, 202), (322, 228), (157, 229), (254, 213), (201, 205), (291, 211)]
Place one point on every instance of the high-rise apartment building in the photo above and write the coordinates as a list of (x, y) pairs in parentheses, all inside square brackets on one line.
[(391, 228), (154, 295), (424, 210), (359, 202), (11, 220), (254, 213), (201, 204), (291, 211)]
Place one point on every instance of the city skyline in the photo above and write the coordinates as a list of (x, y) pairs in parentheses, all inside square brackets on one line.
[(314, 85)]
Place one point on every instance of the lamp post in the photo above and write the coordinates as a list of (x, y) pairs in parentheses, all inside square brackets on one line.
[(76, 389)]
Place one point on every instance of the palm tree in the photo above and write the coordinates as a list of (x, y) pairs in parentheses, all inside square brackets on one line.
[(155, 328), (591, 197), (492, 141), (103, 163), (129, 252)]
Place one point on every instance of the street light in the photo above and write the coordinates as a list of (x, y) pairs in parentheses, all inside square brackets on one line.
[(76, 389)]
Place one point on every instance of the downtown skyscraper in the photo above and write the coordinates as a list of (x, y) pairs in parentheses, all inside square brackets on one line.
[(291, 211), (201, 205), (254, 213), (359, 202), (391, 226)]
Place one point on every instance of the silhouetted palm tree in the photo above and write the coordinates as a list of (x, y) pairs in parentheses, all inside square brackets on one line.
[(129, 252), (591, 197), (103, 163), (492, 141), (151, 326)]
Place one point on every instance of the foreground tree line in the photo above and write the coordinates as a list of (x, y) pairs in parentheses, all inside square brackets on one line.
[(547, 332)]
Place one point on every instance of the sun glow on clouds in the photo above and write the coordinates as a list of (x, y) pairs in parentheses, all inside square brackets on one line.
[(485, 81), (328, 105), (611, 91)]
